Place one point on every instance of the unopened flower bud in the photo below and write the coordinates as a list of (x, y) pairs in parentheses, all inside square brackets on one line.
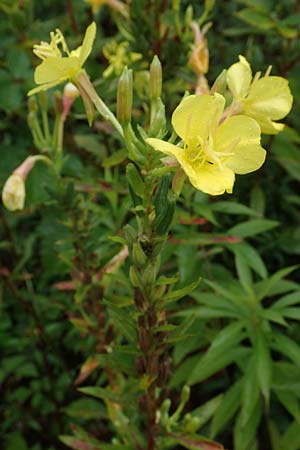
[(69, 96), (58, 104), (13, 194), (32, 104), (220, 83), (124, 97), (138, 255), (43, 98), (155, 78), (199, 59)]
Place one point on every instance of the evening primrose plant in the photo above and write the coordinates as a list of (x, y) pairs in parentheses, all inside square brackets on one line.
[(215, 142)]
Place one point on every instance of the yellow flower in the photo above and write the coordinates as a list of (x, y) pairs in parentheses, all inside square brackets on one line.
[(265, 99), (13, 194), (56, 68), (213, 152)]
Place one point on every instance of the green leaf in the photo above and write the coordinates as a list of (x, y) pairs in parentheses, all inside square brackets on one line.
[(177, 294), (206, 411), (250, 256), (228, 407), (230, 207), (98, 392), (250, 392), (244, 436), (115, 159), (287, 300), (222, 352), (252, 228), (265, 287), (256, 18), (287, 347), (263, 364), (244, 273), (290, 403), (291, 438)]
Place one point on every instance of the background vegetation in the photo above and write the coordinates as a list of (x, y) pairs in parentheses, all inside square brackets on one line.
[(234, 339)]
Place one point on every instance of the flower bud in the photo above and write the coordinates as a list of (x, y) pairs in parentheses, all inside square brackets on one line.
[(155, 78), (13, 194), (32, 104), (43, 98), (69, 96), (124, 97), (220, 83), (58, 103), (138, 255)]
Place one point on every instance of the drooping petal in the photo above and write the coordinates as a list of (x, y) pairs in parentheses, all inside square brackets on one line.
[(210, 178), (165, 147), (87, 43), (196, 114), (238, 139), (269, 96), (239, 77), (44, 87), (267, 125), (55, 68)]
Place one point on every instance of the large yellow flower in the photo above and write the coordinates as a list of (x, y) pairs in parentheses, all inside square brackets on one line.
[(265, 99), (56, 68), (213, 152)]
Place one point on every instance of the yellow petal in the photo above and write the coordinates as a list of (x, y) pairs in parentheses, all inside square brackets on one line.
[(270, 96), (87, 44), (239, 77), (267, 126), (164, 147), (210, 178), (55, 68), (196, 114), (206, 177), (43, 87), (239, 137)]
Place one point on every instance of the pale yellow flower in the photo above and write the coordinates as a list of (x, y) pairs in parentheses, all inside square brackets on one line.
[(266, 98), (57, 68), (213, 153)]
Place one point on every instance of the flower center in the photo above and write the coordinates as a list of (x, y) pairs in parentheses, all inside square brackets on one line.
[(44, 49), (200, 151)]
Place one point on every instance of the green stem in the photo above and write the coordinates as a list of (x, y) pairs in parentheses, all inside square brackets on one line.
[(83, 80), (46, 126), (148, 296)]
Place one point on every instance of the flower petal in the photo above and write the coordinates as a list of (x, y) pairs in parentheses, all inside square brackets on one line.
[(239, 77), (87, 43), (210, 178), (206, 177), (239, 137), (44, 87), (55, 68), (195, 115), (270, 96), (267, 126), (164, 147)]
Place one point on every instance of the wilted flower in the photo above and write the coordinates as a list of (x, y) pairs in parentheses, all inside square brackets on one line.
[(13, 193), (199, 59), (56, 68), (213, 153), (266, 99)]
